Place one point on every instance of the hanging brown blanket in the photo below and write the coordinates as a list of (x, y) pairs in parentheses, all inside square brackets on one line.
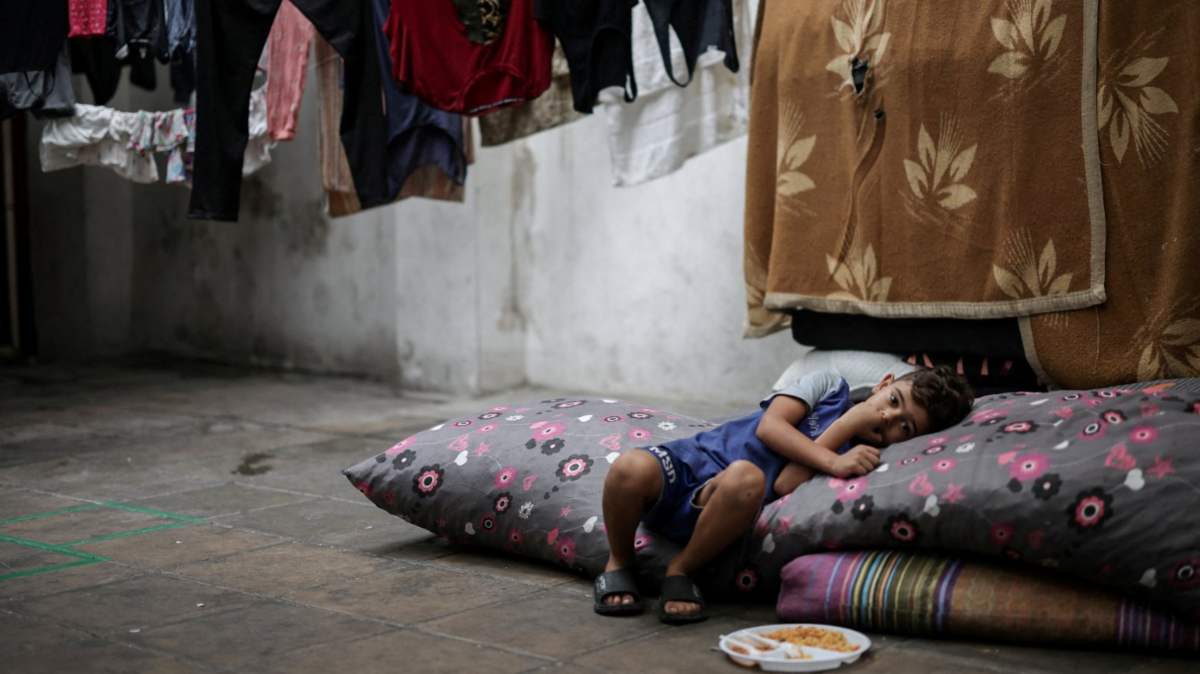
[(980, 160), (1148, 93)]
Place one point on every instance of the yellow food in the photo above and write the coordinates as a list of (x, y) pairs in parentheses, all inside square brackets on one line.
[(813, 637)]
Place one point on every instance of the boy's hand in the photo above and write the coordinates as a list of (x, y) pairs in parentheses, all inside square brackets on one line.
[(861, 420), (858, 461)]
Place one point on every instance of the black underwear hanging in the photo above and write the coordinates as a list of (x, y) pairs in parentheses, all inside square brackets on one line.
[(699, 24), (597, 39)]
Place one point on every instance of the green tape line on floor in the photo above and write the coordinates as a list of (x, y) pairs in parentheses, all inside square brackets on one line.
[(56, 512), (147, 530), (44, 569), (147, 511), (57, 549)]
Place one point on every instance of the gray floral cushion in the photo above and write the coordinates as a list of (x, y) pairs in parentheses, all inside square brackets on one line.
[(1102, 485), (526, 477)]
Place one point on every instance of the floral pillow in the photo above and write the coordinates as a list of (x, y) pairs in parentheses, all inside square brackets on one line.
[(526, 477), (1102, 485)]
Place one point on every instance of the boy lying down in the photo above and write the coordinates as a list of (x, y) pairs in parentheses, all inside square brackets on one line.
[(704, 492)]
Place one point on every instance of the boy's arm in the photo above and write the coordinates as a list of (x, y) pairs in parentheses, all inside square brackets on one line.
[(841, 431), (777, 430)]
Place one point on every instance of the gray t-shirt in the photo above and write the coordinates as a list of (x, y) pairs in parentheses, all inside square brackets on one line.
[(812, 388)]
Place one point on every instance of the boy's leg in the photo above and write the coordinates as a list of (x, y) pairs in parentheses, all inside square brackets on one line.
[(792, 476), (633, 484), (731, 501)]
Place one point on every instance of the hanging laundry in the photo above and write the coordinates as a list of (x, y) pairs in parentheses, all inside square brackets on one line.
[(553, 108), (229, 39), (95, 58), (138, 26), (181, 28), (429, 181), (45, 94), (698, 25), (288, 46), (99, 136), (656, 134), (32, 34), (160, 132), (88, 17), (418, 134), (179, 164), (183, 78), (133, 33), (259, 145), (469, 56), (596, 37), (126, 142)]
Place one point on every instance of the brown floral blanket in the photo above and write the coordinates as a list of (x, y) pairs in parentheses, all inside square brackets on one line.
[(1003, 158)]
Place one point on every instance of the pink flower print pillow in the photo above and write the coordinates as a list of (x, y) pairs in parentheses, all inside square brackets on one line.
[(1101, 485), (526, 478)]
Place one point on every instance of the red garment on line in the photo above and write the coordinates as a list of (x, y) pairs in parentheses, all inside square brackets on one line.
[(89, 18), (287, 67), (433, 56)]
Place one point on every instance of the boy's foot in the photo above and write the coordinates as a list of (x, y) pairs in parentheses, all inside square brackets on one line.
[(681, 602), (680, 607), (619, 597), (615, 593)]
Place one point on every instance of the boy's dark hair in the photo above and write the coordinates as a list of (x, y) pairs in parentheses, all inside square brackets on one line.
[(943, 393)]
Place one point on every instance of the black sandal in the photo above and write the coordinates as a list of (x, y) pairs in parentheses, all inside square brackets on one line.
[(681, 588), (621, 581)]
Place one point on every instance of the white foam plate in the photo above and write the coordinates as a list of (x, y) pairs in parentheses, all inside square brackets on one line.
[(777, 661)]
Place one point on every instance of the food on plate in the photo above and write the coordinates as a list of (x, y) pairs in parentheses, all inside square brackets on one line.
[(813, 637), (741, 648), (751, 645)]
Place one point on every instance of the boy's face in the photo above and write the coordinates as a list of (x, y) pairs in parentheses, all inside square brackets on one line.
[(890, 415)]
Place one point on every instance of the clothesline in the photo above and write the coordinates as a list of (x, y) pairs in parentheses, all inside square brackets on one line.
[(126, 142), (530, 66)]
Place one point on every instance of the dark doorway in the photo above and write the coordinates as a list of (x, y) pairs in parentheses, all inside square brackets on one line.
[(17, 337)]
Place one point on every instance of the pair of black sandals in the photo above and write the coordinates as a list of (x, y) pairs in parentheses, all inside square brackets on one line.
[(674, 588)]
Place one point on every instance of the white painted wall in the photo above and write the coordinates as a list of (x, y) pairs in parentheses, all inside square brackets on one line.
[(119, 269), (546, 275), (550, 275), (81, 248), (284, 287), (639, 289)]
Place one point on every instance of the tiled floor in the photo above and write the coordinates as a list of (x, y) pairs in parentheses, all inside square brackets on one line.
[(188, 517)]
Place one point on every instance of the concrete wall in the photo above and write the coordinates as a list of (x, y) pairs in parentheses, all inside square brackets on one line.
[(80, 243), (639, 289), (119, 269), (549, 275), (283, 287), (546, 275)]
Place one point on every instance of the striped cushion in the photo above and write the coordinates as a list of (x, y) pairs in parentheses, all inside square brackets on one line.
[(929, 594)]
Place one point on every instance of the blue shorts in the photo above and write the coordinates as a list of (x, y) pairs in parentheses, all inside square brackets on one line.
[(675, 514)]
